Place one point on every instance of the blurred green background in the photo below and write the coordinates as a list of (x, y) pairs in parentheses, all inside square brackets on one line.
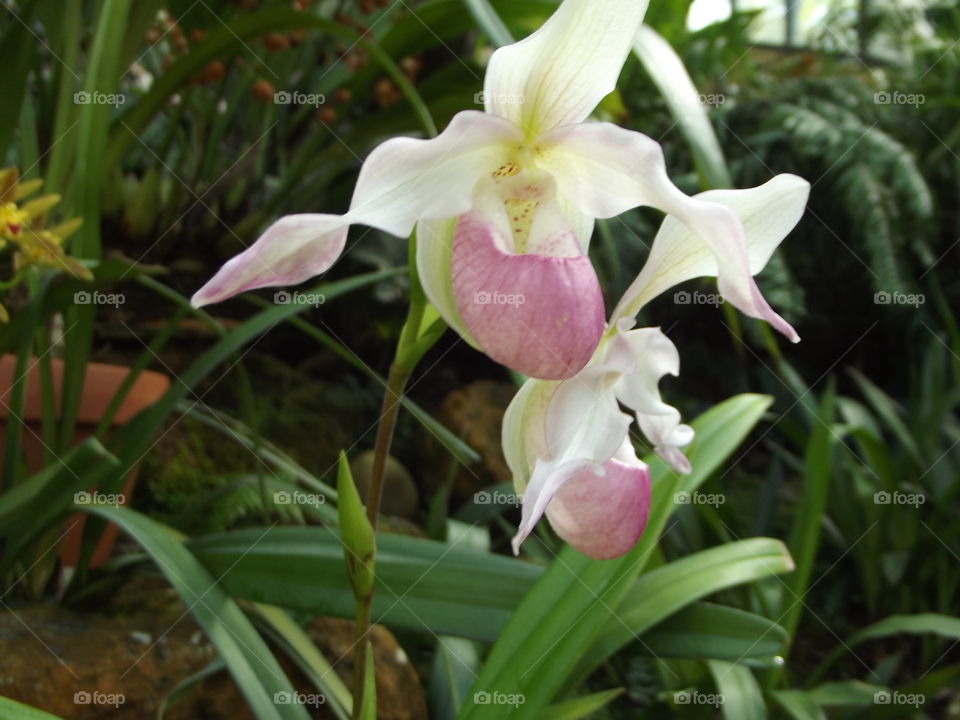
[(178, 129)]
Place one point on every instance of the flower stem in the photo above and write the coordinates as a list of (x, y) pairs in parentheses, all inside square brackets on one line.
[(396, 382), (414, 342)]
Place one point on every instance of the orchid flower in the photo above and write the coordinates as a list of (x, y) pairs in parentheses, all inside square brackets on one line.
[(568, 443), (504, 202)]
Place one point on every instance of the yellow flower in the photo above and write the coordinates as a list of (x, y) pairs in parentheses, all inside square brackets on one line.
[(37, 245), (13, 217)]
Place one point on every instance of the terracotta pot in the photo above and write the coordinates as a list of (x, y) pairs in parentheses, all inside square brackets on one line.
[(101, 383)]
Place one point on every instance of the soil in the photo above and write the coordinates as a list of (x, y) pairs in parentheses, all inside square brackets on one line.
[(120, 662)]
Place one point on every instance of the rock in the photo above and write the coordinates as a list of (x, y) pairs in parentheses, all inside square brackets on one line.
[(400, 495), (475, 414)]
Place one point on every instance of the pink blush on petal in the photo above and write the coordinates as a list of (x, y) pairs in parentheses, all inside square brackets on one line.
[(603, 516), (537, 314)]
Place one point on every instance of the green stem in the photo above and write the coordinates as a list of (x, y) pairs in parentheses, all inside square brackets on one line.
[(412, 345)]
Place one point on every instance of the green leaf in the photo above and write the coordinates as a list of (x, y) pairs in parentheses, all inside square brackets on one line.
[(18, 47), (704, 630), (12, 710), (849, 693), (944, 626), (673, 81), (256, 672), (887, 408), (664, 591), (233, 36), (488, 20), (301, 649), (799, 705), (359, 541), (805, 534), (455, 666), (742, 696), (921, 624), (187, 684), (420, 585), (581, 707)]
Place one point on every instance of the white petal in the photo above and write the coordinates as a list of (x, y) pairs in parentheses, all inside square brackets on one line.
[(293, 249), (768, 213), (523, 432), (584, 419), (558, 74), (406, 179), (654, 356), (610, 170), (577, 431), (434, 250), (546, 480), (403, 180), (667, 435)]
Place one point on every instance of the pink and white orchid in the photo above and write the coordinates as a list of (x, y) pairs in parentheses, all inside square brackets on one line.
[(504, 202), (568, 443)]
